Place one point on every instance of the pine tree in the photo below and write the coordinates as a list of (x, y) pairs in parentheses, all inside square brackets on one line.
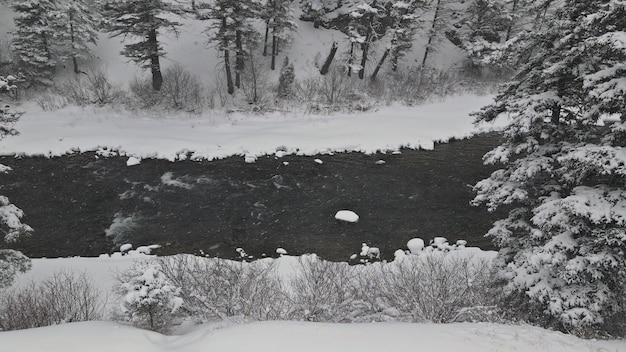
[(11, 262), (403, 19), (280, 21), (32, 41), (148, 299), (286, 79), (142, 19), (364, 29), (75, 26), (563, 242)]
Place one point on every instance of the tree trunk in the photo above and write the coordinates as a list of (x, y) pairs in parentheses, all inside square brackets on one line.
[(351, 60), (556, 114), (72, 41), (239, 64), (274, 50), (510, 26), (267, 35), (229, 76), (365, 47), (394, 61), (155, 66), (431, 35), (380, 64), (329, 59)]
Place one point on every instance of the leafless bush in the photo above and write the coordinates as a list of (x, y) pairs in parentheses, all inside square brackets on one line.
[(322, 290), (181, 91), (434, 287), (219, 289), (102, 90), (50, 100), (62, 298), (92, 88), (74, 88)]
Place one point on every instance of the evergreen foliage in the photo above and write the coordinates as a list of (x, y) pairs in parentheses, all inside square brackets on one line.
[(33, 39), (280, 20), (563, 242), (75, 27), (11, 262), (142, 19), (232, 31), (286, 79), (149, 300)]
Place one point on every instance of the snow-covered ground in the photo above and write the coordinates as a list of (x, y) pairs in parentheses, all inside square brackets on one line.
[(302, 337), (278, 336), (217, 136)]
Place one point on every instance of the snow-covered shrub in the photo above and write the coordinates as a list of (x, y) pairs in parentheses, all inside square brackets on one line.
[(148, 299), (11, 262), (220, 289), (62, 298), (322, 291)]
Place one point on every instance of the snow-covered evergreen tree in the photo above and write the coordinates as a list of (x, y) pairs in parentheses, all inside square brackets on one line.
[(11, 262), (231, 29), (142, 20), (75, 26), (563, 243), (148, 299), (365, 28), (32, 41), (280, 22), (286, 79)]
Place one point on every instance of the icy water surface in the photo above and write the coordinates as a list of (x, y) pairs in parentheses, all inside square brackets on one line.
[(81, 204)]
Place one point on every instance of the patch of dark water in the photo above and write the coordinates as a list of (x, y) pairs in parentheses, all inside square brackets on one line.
[(82, 204)]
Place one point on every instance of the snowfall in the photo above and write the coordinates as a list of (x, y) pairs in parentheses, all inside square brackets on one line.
[(214, 134)]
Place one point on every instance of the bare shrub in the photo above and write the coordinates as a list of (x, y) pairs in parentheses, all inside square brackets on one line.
[(181, 91), (322, 291), (74, 88), (434, 287), (221, 289), (62, 298), (92, 88), (144, 94), (102, 90), (50, 100)]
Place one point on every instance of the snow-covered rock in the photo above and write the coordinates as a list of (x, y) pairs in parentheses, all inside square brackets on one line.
[(347, 216), (415, 245), (132, 161)]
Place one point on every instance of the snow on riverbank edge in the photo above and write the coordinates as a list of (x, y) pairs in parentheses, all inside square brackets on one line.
[(214, 136)]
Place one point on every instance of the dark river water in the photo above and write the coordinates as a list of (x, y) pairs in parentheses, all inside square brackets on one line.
[(82, 204)]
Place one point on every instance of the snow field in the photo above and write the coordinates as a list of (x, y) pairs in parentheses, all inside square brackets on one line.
[(75, 129), (302, 337)]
